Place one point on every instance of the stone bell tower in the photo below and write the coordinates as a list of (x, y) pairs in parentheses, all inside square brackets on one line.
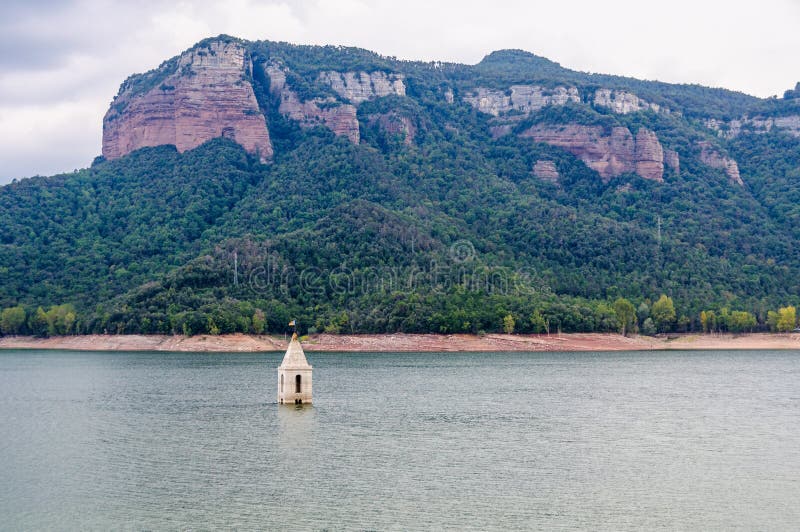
[(294, 376)]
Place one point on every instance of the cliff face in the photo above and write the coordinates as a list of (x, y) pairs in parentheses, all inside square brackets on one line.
[(529, 98), (546, 170), (733, 128), (648, 155), (710, 156), (673, 161), (359, 87), (207, 95), (341, 118), (327, 112), (522, 98), (623, 102), (395, 123), (208, 92), (610, 154)]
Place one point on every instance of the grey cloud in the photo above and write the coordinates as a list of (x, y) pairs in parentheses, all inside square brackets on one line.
[(44, 34), (24, 48), (16, 8), (24, 52), (63, 154)]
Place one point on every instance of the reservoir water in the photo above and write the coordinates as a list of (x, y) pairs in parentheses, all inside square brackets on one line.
[(639, 440)]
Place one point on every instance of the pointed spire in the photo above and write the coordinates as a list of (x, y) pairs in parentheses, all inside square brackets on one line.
[(295, 358)]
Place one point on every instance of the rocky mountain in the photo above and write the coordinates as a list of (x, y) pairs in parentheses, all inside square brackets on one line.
[(429, 189), (209, 92), (610, 155), (201, 95)]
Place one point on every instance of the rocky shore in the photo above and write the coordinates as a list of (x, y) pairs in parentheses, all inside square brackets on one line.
[(406, 342)]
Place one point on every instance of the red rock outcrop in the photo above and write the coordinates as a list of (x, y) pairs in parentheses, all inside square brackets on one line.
[(206, 95), (710, 156), (673, 161), (609, 153), (395, 124), (546, 170), (338, 117), (342, 120), (648, 155)]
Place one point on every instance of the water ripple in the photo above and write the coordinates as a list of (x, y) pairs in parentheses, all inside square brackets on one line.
[(513, 441)]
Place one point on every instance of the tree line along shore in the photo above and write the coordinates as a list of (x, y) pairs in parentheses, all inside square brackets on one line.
[(621, 316)]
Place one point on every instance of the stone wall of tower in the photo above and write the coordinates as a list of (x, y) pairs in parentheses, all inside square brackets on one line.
[(287, 393)]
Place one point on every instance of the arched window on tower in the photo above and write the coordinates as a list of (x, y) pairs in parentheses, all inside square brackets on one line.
[(297, 384), (281, 382)]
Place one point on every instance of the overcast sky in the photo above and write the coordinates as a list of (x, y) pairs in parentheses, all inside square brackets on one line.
[(61, 61)]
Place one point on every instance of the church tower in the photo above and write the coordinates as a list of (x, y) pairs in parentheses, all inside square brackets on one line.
[(294, 376)]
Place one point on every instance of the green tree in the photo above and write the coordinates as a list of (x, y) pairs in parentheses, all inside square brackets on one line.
[(772, 320), (643, 312), (787, 319), (626, 315), (708, 320), (332, 328), (69, 318), (538, 323), (740, 321), (648, 327), (508, 324), (663, 313), (37, 323), (60, 319), (12, 320), (259, 321), (723, 321)]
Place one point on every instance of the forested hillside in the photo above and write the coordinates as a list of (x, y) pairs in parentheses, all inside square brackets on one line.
[(419, 197)]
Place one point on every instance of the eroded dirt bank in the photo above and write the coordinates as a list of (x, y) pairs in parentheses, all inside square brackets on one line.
[(405, 342)]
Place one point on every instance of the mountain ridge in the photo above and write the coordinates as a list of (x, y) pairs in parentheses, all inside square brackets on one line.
[(407, 196), (331, 98)]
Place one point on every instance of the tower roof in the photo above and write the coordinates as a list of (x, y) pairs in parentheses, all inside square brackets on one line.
[(295, 358)]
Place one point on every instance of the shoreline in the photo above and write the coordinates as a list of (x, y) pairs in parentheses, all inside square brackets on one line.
[(402, 342)]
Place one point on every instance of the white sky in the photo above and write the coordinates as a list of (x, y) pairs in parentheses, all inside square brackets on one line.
[(61, 61)]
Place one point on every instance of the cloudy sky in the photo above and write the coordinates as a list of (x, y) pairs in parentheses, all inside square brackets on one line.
[(61, 61)]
